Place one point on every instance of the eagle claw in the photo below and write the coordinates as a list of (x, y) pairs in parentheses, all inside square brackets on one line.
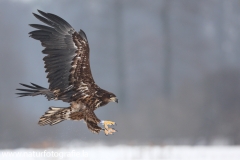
[(108, 130), (108, 123)]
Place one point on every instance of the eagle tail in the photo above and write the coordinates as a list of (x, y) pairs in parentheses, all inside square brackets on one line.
[(34, 90), (55, 115)]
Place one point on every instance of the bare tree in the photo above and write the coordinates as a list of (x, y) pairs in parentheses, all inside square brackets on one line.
[(165, 21), (120, 52)]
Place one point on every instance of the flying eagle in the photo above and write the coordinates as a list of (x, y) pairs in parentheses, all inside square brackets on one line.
[(69, 75)]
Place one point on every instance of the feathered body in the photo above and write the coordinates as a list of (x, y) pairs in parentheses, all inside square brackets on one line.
[(69, 74)]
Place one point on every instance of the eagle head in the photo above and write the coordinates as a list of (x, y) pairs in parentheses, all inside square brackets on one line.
[(112, 98), (109, 97)]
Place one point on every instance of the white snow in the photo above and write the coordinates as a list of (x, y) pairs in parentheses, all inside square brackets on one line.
[(123, 152)]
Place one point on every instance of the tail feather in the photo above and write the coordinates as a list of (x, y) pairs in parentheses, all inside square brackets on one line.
[(55, 115), (35, 90)]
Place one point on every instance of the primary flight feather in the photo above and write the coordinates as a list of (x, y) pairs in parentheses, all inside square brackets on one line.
[(69, 75)]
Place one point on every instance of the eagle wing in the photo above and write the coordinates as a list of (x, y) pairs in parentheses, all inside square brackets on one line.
[(67, 59)]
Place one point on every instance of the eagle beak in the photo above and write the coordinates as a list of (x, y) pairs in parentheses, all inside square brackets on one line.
[(114, 99)]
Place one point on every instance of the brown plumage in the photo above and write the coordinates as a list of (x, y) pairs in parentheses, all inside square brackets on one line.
[(69, 75)]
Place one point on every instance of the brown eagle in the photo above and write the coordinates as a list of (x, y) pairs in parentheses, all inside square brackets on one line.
[(69, 75)]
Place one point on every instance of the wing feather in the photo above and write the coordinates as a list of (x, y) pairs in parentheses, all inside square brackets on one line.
[(67, 52)]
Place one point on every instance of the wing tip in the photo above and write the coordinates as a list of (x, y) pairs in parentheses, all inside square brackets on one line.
[(35, 15), (41, 12), (83, 35)]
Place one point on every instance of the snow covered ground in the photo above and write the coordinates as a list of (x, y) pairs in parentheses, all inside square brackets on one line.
[(123, 152)]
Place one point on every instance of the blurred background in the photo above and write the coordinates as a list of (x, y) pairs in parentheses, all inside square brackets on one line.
[(174, 65)]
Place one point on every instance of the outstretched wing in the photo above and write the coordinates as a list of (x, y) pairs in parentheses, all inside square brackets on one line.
[(67, 59)]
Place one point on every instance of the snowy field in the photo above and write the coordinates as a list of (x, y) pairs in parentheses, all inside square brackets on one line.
[(123, 152)]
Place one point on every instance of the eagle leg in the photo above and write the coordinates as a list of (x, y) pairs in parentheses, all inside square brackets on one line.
[(93, 127), (92, 122), (108, 130)]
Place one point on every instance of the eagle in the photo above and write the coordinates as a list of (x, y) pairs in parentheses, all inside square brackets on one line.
[(69, 75)]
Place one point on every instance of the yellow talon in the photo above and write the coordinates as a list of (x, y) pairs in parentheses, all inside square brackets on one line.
[(108, 130), (108, 123)]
